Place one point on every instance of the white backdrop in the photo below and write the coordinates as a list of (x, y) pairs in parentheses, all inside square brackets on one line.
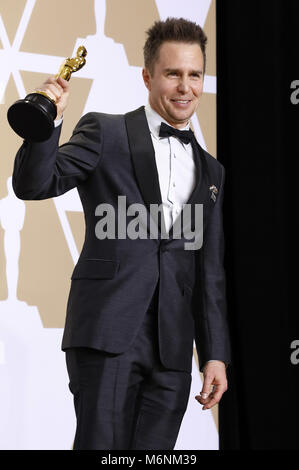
[(36, 408)]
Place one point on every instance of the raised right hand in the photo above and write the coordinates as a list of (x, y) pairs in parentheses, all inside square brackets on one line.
[(58, 90)]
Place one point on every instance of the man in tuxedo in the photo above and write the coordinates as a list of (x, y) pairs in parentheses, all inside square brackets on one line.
[(137, 303)]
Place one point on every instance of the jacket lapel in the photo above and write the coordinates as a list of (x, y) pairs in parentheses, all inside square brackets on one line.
[(143, 156), (200, 193)]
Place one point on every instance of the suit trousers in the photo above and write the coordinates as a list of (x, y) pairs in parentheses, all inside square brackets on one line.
[(128, 400)]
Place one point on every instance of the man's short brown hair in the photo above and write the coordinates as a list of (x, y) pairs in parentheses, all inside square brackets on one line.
[(172, 29)]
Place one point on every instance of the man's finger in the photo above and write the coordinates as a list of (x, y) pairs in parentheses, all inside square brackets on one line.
[(204, 395), (214, 399), (207, 384), (215, 396), (63, 83)]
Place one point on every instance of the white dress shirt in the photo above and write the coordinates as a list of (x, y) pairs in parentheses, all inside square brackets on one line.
[(175, 165)]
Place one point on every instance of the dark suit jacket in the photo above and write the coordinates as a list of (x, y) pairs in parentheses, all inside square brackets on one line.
[(114, 280)]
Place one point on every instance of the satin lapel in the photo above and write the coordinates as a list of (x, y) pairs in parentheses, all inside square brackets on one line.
[(143, 157), (200, 193)]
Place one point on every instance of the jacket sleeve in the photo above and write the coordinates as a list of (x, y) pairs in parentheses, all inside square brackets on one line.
[(44, 170), (213, 339)]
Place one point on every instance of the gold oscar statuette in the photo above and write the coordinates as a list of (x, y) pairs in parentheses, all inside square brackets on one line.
[(33, 117)]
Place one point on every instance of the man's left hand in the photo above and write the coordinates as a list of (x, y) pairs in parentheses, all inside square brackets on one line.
[(214, 373)]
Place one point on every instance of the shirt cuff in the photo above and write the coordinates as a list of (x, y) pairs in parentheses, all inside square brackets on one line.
[(211, 360), (57, 122)]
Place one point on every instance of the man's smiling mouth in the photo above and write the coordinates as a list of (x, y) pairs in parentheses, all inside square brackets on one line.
[(181, 103)]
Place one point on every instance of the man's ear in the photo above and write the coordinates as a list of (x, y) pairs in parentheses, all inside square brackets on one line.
[(146, 78)]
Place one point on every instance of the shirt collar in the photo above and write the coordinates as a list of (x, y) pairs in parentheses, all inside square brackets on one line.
[(154, 121)]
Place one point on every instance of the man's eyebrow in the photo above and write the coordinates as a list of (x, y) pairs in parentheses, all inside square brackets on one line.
[(199, 72), (171, 70)]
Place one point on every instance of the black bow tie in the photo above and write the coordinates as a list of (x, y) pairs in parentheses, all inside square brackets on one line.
[(185, 136)]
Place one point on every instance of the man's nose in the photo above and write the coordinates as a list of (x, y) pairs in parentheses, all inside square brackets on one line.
[(183, 86)]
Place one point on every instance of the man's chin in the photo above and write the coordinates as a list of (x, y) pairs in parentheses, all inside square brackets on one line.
[(181, 120), (181, 114)]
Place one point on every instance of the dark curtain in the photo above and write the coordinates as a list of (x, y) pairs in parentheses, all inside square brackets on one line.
[(258, 143)]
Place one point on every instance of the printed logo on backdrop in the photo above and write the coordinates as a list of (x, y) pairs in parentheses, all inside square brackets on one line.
[(40, 240)]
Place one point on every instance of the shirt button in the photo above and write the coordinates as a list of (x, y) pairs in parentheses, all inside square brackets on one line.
[(173, 184)]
